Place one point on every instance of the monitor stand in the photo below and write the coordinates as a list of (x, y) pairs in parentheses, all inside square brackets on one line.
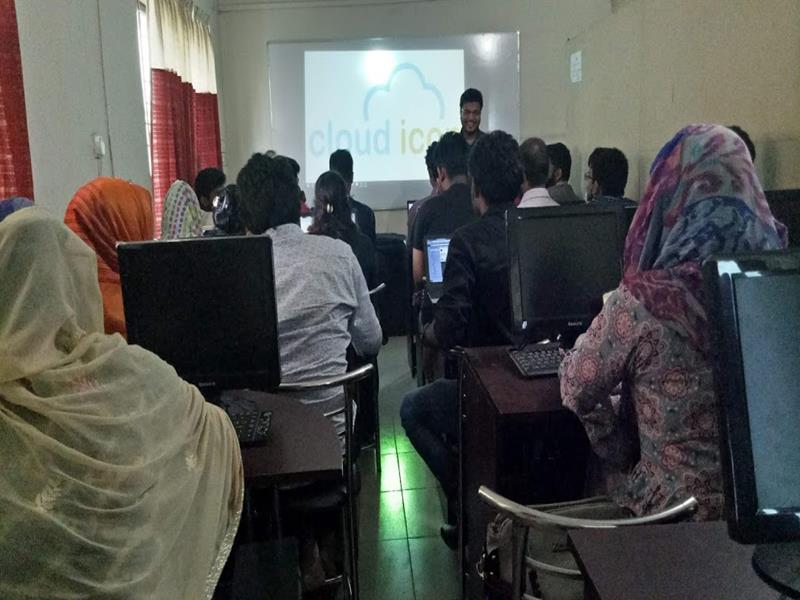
[(779, 566)]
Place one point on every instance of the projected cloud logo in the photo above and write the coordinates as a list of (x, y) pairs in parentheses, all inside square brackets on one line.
[(387, 88), (400, 116)]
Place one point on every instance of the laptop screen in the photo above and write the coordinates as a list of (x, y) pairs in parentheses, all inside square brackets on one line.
[(436, 255)]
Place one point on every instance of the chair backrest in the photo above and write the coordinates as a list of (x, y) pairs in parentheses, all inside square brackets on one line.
[(521, 521)]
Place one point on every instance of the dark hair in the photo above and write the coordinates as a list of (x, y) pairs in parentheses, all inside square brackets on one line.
[(430, 161), (751, 147), (207, 181), (560, 158), (495, 167), (228, 213), (269, 193), (451, 154), (295, 165), (332, 215), (535, 163), (471, 95), (341, 161), (610, 169)]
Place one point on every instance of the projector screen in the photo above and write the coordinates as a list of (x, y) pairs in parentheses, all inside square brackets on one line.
[(385, 100)]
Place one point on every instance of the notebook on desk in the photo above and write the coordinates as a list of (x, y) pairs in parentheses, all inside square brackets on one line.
[(435, 259)]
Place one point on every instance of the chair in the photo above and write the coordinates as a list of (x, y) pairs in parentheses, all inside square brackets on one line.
[(544, 519), (340, 494)]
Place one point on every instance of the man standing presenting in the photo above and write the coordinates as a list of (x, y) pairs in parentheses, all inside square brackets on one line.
[(471, 106)]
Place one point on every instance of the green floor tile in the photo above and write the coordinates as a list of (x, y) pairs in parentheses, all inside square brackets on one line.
[(382, 517), (423, 512), (385, 570), (435, 569), (414, 473)]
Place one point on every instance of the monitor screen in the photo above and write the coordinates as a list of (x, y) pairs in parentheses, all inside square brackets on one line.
[(562, 260), (436, 257), (205, 306), (755, 310)]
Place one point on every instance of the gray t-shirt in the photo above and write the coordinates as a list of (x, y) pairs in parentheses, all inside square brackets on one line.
[(323, 305)]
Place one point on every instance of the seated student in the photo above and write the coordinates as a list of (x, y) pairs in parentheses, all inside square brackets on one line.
[(606, 178), (227, 214), (118, 479), (474, 309), (332, 218), (652, 337), (433, 179), (560, 169), (341, 161), (305, 211), (185, 209), (536, 170), (751, 147), (103, 212), (452, 208), (323, 301)]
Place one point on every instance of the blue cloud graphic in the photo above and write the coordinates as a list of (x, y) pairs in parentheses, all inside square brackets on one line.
[(388, 86)]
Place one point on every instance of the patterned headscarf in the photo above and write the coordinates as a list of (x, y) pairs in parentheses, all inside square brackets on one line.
[(182, 217), (103, 212), (11, 205), (703, 198)]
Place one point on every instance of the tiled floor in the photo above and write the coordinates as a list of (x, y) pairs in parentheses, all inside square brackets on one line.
[(400, 511)]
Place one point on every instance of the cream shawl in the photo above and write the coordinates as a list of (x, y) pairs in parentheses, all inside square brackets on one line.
[(117, 479)]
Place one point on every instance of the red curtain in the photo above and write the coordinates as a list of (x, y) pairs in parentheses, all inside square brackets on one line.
[(16, 178), (184, 134)]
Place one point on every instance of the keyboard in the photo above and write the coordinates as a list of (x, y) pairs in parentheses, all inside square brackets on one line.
[(251, 427), (537, 360)]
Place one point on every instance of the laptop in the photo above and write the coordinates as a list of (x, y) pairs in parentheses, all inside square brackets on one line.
[(435, 259)]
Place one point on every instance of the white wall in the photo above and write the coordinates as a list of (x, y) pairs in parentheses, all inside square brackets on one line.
[(245, 29), (654, 66), (81, 74)]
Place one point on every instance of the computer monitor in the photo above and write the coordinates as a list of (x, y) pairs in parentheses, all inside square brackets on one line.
[(785, 205), (207, 307), (561, 262), (754, 310), (435, 258)]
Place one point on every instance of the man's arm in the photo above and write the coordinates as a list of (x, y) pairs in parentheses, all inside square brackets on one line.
[(453, 310), (416, 242), (364, 327), (418, 266)]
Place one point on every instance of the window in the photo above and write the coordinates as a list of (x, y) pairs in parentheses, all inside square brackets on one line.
[(144, 68)]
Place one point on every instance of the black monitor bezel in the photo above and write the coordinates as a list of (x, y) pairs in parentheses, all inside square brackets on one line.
[(266, 379), (745, 525), (514, 216)]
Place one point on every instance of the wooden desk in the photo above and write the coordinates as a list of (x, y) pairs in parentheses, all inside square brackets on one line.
[(302, 445), (686, 561), (515, 438)]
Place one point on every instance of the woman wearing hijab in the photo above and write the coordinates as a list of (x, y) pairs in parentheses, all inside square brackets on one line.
[(119, 481), (182, 216), (103, 212), (652, 336), (12, 205), (186, 208)]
